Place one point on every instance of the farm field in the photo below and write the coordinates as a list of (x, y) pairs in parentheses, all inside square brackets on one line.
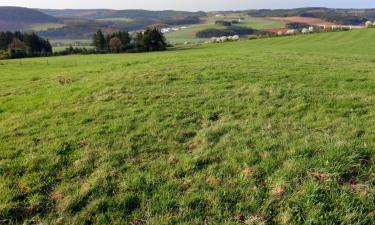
[(62, 48), (71, 41), (259, 23), (267, 131), (189, 34), (116, 19), (45, 26), (85, 43)]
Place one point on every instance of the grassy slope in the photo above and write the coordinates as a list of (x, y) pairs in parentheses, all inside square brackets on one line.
[(274, 130), (251, 22), (189, 34), (116, 19), (45, 26)]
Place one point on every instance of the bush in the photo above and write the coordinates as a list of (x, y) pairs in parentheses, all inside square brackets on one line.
[(223, 23), (17, 53), (297, 26), (3, 55), (208, 33)]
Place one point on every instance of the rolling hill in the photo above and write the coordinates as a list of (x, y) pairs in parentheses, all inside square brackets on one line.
[(268, 131), (81, 23), (132, 14), (15, 18), (339, 16)]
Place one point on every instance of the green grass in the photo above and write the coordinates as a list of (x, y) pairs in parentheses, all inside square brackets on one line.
[(269, 131), (68, 42), (62, 48), (117, 19), (262, 23), (189, 34), (46, 26)]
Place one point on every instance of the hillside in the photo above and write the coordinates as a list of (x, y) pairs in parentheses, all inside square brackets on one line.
[(81, 23), (339, 16), (108, 13), (13, 18), (268, 131)]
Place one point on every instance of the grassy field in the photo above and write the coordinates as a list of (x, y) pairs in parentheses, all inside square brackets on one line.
[(62, 48), (269, 131), (116, 19), (68, 42), (45, 26), (86, 43), (189, 34)]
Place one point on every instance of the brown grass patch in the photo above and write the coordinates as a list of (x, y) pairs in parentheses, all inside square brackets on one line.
[(56, 196), (213, 181), (247, 171), (278, 191)]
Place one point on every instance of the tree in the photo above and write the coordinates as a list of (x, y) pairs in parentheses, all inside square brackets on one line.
[(99, 41), (5, 39), (154, 40), (37, 46), (17, 49), (139, 41), (17, 44), (124, 38), (115, 45)]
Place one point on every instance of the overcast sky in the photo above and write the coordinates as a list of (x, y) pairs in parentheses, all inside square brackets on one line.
[(192, 5)]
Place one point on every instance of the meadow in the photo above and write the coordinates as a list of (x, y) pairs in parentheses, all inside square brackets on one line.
[(268, 131), (189, 34), (45, 26)]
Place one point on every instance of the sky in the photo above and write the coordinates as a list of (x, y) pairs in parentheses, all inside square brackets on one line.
[(191, 5)]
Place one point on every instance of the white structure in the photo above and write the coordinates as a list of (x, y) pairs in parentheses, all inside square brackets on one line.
[(305, 31), (165, 30), (311, 29), (236, 38), (290, 32), (369, 24), (223, 39)]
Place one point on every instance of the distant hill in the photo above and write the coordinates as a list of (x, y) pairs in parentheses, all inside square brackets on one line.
[(110, 20), (339, 16), (13, 18), (81, 23), (109, 13)]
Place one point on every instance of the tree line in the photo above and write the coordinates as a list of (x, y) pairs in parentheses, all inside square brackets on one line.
[(229, 31), (21, 45), (152, 39)]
